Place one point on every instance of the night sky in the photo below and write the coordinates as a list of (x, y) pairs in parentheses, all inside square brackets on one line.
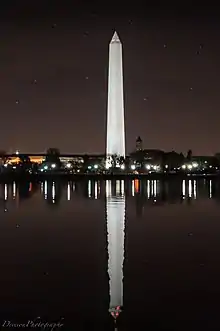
[(54, 61)]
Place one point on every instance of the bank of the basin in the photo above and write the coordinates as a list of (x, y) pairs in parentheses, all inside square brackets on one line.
[(53, 176)]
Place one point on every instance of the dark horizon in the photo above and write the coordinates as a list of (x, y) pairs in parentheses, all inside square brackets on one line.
[(171, 76)]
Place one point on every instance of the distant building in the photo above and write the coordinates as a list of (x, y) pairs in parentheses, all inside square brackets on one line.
[(147, 159), (139, 144)]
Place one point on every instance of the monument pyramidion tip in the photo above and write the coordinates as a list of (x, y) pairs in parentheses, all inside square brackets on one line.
[(115, 38)]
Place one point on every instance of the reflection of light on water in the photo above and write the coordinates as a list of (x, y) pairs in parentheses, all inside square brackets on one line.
[(152, 188), (155, 188), (74, 187), (14, 190), (117, 187), (53, 192), (136, 185), (194, 189), (132, 188), (108, 188), (42, 187), (122, 187), (45, 190), (68, 192), (190, 188), (89, 188), (184, 189), (96, 190), (210, 188), (148, 189), (6, 192), (115, 213)]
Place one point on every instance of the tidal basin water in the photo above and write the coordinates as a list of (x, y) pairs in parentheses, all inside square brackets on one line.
[(70, 251)]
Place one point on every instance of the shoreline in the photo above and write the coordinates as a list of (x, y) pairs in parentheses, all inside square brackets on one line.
[(56, 176)]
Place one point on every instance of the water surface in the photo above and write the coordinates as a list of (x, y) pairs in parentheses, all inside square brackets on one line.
[(71, 251)]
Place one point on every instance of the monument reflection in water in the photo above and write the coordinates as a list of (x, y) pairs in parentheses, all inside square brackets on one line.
[(115, 215)]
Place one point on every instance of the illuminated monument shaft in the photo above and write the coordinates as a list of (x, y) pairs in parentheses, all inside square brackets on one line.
[(115, 208), (115, 116)]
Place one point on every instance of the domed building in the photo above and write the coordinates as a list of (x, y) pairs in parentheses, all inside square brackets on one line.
[(139, 144), (140, 155)]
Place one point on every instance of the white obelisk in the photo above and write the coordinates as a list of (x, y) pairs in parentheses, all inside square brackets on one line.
[(115, 116), (115, 212)]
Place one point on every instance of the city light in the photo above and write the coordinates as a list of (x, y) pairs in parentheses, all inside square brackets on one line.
[(97, 166), (195, 165)]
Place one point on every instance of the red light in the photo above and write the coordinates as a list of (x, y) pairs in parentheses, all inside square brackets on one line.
[(117, 314), (118, 308)]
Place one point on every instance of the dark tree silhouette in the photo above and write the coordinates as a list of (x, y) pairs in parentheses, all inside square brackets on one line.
[(24, 159), (53, 156), (114, 159), (189, 155), (3, 155), (85, 163), (25, 162)]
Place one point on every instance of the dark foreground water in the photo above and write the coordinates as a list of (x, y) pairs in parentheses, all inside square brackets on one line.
[(70, 251)]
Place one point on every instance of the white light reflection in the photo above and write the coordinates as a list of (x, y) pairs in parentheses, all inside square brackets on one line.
[(14, 190), (6, 192), (132, 188), (53, 192), (210, 189), (190, 188), (122, 187), (42, 187), (148, 189), (115, 211), (89, 189), (194, 189), (117, 187), (184, 189), (45, 190), (108, 188), (155, 188), (96, 190), (68, 192), (74, 187)]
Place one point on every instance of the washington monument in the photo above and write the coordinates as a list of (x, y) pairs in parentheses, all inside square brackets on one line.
[(115, 116)]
